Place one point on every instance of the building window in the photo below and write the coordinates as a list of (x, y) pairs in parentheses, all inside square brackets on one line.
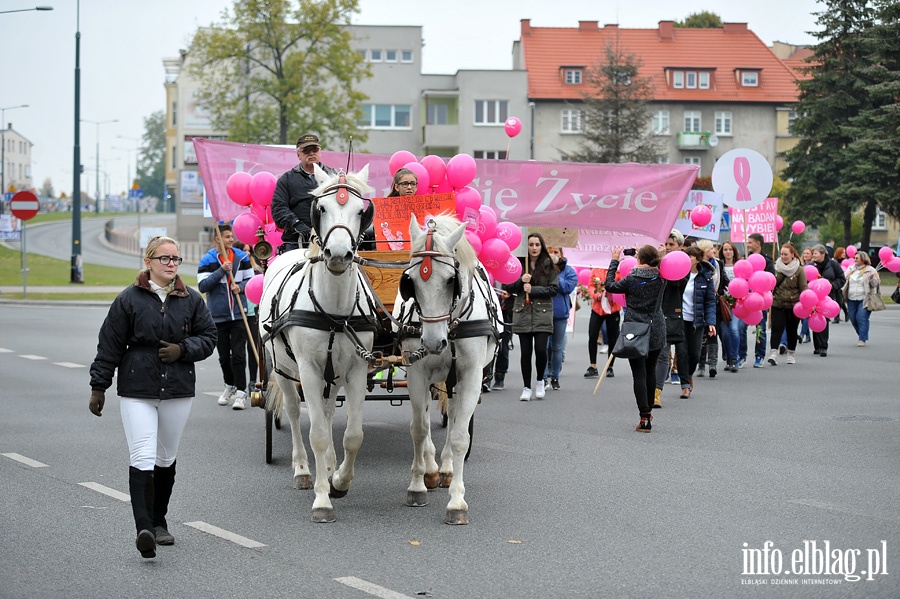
[(692, 121), (749, 78), (375, 55), (174, 114), (571, 121), (880, 222), (690, 79), (792, 119), (661, 122), (437, 114), (678, 79), (385, 116), (491, 112), (174, 157), (573, 76), (692, 160), (406, 56), (662, 160), (723, 123), (704, 80), (490, 154), (390, 56)]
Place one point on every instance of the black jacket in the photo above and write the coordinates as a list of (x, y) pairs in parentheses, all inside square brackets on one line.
[(642, 288), (830, 269), (671, 306), (293, 198), (129, 340)]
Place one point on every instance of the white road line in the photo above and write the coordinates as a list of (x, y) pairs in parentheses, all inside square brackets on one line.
[(4, 350), (370, 588), (32, 357), (107, 491), (831, 507), (69, 365), (27, 461), (224, 534)]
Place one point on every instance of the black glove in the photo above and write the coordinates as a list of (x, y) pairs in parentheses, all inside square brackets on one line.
[(169, 352), (98, 398), (561, 264), (303, 231)]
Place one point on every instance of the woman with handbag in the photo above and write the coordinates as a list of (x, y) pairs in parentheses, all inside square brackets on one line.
[(643, 289), (698, 309), (862, 294), (790, 282)]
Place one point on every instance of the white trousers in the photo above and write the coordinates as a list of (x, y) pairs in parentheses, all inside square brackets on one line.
[(153, 429)]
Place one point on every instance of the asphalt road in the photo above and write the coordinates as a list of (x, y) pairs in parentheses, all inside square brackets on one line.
[(566, 500)]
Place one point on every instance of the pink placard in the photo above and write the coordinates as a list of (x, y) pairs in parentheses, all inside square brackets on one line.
[(759, 219)]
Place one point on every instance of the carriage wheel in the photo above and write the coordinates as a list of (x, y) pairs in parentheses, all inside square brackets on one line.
[(269, 419)]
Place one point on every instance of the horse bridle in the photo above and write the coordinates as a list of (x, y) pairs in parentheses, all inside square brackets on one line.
[(343, 191), (425, 271)]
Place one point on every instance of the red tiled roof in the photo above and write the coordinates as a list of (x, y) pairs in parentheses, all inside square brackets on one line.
[(723, 50), (797, 61)]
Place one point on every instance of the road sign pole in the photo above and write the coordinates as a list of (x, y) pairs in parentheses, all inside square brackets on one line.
[(24, 263)]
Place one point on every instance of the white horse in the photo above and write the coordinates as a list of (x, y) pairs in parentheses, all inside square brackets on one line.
[(445, 295), (317, 322)]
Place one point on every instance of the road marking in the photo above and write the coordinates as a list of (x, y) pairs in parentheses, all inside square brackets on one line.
[(27, 461), (511, 448), (370, 588), (69, 365), (3, 350), (832, 507), (32, 357), (107, 491), (224, 534)]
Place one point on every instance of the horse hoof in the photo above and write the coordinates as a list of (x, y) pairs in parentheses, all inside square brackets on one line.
[(431, 480), (416, 498), (303, 482), (456, 517), (323, 514), (334, 492), (446, 479)]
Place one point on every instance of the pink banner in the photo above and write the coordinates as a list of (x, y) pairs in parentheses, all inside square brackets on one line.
[(759, 219), (640, 201)]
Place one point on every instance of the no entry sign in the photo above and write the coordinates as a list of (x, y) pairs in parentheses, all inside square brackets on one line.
[(24, 205)]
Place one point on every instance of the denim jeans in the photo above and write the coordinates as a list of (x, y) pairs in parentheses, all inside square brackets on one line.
[(731, 336), (557, 347), (859, 318), (759, 350)]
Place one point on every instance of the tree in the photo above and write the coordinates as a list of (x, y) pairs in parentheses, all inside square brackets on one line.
[(829, 99), (701, 20), (151, 161), (277, 68), (616, 113), (47, 188)]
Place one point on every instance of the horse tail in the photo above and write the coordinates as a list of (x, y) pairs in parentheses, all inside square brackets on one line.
[(274, 397), (439, 392)]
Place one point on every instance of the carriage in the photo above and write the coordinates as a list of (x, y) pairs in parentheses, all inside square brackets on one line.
[(324, 322)]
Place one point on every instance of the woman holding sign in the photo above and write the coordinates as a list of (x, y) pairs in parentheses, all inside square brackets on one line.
[(404, 184)]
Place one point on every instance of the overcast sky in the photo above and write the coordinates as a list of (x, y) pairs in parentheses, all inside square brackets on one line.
[(123, 43)]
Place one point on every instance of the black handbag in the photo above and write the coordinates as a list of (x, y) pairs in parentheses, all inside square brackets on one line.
[(896, 295), (634, 337)]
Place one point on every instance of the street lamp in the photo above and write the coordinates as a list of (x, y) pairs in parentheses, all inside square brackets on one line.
[(3, 147), (75, 272), (3, 12), (135, 149), (97, 156)]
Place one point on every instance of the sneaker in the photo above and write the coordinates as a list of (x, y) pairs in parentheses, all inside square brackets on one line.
[(227, 394), (806, 339), (644, 425), (498, 384), (861, 344), (675, 380), (526, 394), (657, 399), (539, 390), (610, 374), (713, 372), (782, 348), (823, 353), (554, 384), (591, 372), (758, 363), (741, 362), (817, 352), (701, 372), (773, 355), (239, 397), (791, 359), (604, 348), (485, 388)]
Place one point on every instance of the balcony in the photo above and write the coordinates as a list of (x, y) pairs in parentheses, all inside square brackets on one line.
[(441, 136), (699, 140)]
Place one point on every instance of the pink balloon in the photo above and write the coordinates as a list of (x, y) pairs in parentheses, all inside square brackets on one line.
[(753, 302), (808, 299), (512, 126), (461, 170), (468, 201), (758, 262), (626, 265), (798, 227), (675, 266), (762, 281), (822, 287), (851, 251), (829, 308), (273, 235), (743, 269), (400, 159), (584, 276), (474, 240), (254, 288), (510, 272), (436, 168), (423, 179), (738, 288), (817, 322), (846, 263), (753, 318), (779, 222), (801, 311), (893, 265), (739, 310), (619, 298), (885, 254), (245, 227), (238, 188), (812, 273), (494, 253), (509, 233), (487, 225), (263, 213), (262, 186), (443, 186), (701, 215), (767, 300)]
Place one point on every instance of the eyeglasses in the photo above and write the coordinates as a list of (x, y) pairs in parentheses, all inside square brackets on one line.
[(167, 260), (407, 184), (310, 149)]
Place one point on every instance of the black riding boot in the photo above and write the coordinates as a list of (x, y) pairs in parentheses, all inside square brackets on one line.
[(163, 480), (140, 483)]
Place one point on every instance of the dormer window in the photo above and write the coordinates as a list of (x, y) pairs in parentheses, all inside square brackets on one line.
[(573, 76), (750, 78), (678, 79), (704, 80), (689, 79)]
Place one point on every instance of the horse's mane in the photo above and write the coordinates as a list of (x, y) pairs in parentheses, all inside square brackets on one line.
[(444, 224), (352, 180)]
